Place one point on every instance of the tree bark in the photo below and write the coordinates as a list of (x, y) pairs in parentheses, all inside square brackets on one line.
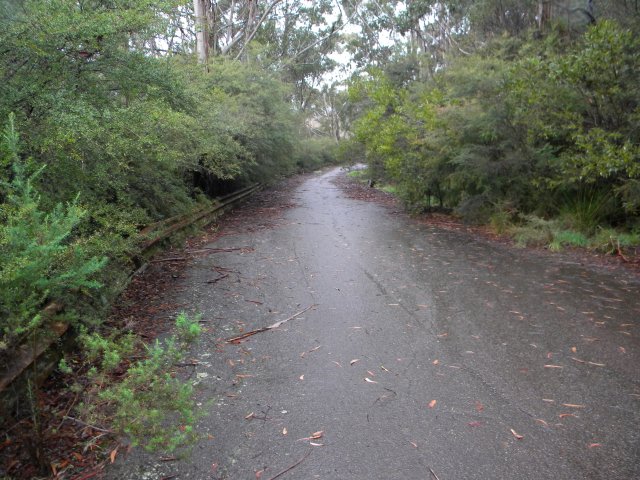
[(202, 44)]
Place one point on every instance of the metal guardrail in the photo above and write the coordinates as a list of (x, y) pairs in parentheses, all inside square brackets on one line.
[(150, 237)]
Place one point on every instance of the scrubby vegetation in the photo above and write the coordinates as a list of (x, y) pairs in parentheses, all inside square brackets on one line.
[(532, 129)]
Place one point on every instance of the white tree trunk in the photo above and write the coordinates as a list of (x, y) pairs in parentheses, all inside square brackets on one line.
[(202, 44)]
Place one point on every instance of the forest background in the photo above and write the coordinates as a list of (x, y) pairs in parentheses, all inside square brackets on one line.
[(119, 113)]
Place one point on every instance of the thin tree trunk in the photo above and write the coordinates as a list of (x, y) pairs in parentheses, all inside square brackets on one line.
[(202, 45)]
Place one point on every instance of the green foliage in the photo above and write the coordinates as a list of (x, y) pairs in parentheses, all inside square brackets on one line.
[(188, 328), (610, 241), (109, 351), (570, 238), (40, 259), (151, 406), (586, 210), (534, 231), (529, 123), (313, 153)]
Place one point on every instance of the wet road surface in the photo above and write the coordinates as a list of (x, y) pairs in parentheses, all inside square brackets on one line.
[(426, 351)]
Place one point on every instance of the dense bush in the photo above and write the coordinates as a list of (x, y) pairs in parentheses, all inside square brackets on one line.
[(544, 125)]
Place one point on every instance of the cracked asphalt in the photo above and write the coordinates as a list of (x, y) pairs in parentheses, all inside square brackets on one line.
[(428, 354)]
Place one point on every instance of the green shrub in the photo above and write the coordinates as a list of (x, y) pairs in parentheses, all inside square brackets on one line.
[(40, 259), (152, 406), (608, 240), (570, 238), (188, 328), (586, 209), (534, 231)]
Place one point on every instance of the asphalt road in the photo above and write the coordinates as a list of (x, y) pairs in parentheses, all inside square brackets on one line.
[(428, 354)]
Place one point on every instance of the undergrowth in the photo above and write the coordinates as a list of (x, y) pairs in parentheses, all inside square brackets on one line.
[(151, 405)]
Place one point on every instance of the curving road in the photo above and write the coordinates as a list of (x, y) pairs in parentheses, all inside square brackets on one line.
[(428, 354)]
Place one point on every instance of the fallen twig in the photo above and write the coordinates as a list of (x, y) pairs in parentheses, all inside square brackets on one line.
[(169, 259), (216, 280), (80, 422), (220, 250), (292, 466), (239, 338), (434, 474), (620, 254), (87, 476)]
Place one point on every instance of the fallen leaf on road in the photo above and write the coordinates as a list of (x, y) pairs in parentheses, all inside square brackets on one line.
[(355, 360), (479, 407), (371, 373), (436, 362), (415, 445), (315, 348), (259, 474), (563, 415), (474, 424), (442, 335), (382, 367), (594, 445), (596, 364), (250, 416), (316, 444), (314, 436), (432, 403), (516, 434), (548, 400), (549, 354), (622, 350), (337, 363), (553, 366), (574, 349), (368, 380), (113, 454), (539, 420), (301, 377), (572, 405), (284, 431)]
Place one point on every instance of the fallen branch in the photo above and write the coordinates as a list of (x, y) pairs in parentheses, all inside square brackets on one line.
[(216, 280), (220, 250), (239, 338), (620, 254), (169, 259), (292, 466), (84, 424)]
